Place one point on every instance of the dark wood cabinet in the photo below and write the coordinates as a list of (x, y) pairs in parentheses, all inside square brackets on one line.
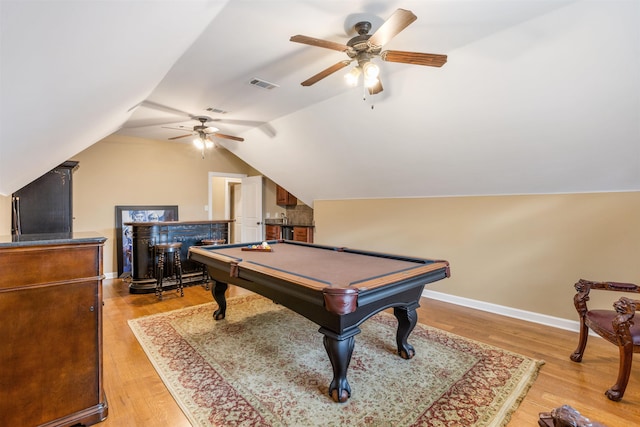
[(46, 204), (51, 331), (272, 232), (303, 234), (284, 198)]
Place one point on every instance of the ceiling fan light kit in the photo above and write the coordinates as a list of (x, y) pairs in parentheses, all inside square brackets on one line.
[(371, 73), (202, 143), (353, 76), (364, 47)]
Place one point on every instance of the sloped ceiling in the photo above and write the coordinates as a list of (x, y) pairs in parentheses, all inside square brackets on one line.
[(536, 97)]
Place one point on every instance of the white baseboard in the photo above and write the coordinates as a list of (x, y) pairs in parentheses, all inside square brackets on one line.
[(529, 316), (112, 275)]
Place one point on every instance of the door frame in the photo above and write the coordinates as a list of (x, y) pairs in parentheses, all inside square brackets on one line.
[(230, 178)]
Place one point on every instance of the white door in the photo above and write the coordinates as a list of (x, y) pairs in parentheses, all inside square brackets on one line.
[(252, 227)]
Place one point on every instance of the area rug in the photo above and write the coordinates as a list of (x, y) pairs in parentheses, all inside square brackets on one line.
[(265, 365)]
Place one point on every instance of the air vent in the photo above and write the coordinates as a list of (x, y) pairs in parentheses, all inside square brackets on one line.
[(263, 84), (216, 110)]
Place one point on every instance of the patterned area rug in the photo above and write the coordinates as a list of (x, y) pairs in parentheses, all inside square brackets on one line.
[(265, 365)]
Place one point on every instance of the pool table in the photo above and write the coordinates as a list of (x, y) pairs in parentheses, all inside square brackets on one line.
[(337, 288)]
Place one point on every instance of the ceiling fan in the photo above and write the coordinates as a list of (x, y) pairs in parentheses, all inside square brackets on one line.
[(364, 47), (132, 124), (203, 131), (203, 134)]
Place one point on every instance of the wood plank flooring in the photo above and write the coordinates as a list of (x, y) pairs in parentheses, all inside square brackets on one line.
[(137, 396)]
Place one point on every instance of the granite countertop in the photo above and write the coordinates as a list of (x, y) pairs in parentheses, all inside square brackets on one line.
[(288, 224), (273, 221), (50, 239)]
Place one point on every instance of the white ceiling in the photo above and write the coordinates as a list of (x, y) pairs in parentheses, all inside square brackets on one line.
[(537, 96)]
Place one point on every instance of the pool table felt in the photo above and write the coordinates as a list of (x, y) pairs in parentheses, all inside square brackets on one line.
[(321, 268)]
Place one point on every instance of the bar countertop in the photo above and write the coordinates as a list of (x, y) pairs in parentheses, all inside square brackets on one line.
[(154, 223)]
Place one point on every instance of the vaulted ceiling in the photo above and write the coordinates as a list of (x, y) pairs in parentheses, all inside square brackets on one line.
[(537, 96)]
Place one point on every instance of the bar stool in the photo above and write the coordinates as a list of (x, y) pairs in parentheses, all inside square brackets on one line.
[(205, 273), (161, 250)]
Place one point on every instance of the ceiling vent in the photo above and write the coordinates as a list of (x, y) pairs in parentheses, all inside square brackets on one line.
[(216, 110), (263, 84)]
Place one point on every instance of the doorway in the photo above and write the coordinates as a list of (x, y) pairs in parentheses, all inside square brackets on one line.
[(225, 201)]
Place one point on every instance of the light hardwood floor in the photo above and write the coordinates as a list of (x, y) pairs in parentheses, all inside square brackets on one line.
[(137, 396)]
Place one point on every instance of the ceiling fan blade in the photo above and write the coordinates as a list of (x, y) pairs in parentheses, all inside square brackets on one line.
[(324, 73), (181, 136), (238, 122), (221, 135), (397, 22), (417, 58), (166, 109), (312, 41), (176, 127), (134, 124), (377, 88)]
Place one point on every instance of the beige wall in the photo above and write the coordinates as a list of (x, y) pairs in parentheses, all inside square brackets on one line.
[(218, 188), (524, 252), (5, 215), (269, 200), (131, 171)]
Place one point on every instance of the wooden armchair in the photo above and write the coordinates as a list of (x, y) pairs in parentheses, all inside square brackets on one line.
[(617, 327)]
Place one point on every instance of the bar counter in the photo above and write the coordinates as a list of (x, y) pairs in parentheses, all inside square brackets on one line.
[(190, 233)]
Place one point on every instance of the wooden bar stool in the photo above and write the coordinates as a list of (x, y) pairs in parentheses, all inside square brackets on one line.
[(205, 273), (161, 250)]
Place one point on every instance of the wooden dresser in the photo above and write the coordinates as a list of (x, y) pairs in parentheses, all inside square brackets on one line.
[(51, 330)]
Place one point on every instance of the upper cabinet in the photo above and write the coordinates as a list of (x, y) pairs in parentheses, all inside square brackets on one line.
[(284, 198)]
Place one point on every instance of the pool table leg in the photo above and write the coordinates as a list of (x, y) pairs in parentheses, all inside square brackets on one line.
[(407, 319), (339, 349), (218, 290)]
